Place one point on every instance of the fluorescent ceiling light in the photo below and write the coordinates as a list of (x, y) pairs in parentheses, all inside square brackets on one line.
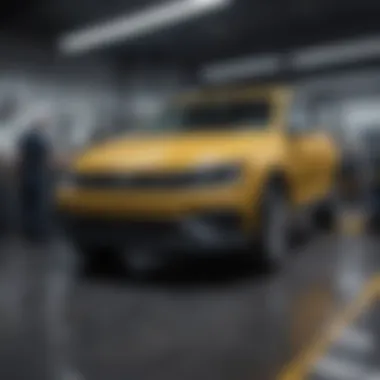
[(241, 68), (131, 26), (337, 53)]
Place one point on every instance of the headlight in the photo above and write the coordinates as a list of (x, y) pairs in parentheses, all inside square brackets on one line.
[(217, 175)]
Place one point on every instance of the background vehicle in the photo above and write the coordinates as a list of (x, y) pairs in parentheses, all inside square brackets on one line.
[(220, 169)]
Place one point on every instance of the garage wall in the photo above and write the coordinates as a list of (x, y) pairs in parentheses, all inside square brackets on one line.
[(351, 101), (143, 93), (76, 94), (148, 90), (84, 96)]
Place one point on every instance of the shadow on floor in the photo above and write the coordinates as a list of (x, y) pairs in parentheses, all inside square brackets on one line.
[(197, 271), (184, 273)]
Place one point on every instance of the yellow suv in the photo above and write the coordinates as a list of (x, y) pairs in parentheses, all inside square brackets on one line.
[(218, 170)]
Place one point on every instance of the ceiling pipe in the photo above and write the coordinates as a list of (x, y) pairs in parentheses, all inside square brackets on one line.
[(128, 27)]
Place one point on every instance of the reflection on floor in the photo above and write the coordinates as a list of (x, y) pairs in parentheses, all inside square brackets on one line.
[(207, 318)]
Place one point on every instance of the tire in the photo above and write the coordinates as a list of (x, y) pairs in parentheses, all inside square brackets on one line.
[(275, 227)]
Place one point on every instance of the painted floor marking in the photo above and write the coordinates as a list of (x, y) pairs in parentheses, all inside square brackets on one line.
[(339, 369), (356, 339), (352, 223), (308, 359)]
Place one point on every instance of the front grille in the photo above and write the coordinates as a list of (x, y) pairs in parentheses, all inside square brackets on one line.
[(181, 179), (121, 230), (135, 181)]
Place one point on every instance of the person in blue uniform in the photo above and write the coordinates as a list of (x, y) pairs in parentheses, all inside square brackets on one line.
[(35, 176), (52, 262)]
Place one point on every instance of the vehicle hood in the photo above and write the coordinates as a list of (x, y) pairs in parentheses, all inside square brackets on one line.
[(176, 152)]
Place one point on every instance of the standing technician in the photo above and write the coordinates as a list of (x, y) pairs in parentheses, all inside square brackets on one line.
[(50, 265), (35, 177)]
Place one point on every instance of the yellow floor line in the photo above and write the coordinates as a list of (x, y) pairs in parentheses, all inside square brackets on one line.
[(352, 224), (298, 369)]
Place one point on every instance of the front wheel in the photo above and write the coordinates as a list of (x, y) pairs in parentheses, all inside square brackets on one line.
[(275, 227)]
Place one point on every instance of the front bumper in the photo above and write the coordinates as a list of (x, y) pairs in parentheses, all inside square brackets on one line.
[(217, 230), (150, 203)]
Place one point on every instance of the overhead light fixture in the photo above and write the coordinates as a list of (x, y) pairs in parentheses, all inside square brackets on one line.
[(337, 53), (132, 26), (241, 68)]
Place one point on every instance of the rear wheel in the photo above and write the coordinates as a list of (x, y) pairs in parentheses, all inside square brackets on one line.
[(275, 227)]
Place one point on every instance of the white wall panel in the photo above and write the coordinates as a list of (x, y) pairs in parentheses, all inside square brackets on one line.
[(80, 91)]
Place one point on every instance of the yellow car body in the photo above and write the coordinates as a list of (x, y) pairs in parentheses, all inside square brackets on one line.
[(144, 170)]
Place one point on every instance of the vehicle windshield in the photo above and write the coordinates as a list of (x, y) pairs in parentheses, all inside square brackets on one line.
[(209, 116)]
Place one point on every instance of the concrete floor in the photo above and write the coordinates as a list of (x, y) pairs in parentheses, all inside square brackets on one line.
[(205, 320)]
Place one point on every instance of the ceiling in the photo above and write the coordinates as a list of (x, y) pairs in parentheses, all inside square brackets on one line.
[(245, 26)]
